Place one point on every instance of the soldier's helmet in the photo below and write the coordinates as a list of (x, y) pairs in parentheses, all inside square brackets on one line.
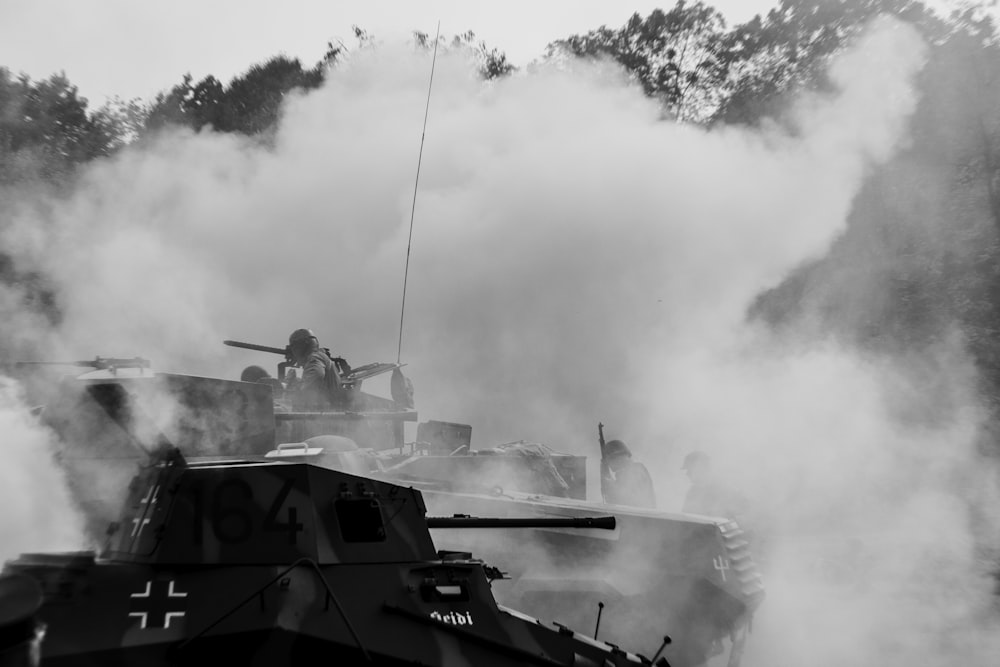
[(254, 374), (300, 335), (616, 448), (694, 458)]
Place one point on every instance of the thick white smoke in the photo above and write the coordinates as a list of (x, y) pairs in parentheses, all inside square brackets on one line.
[(36, 513), (564, 236), (574, 259)]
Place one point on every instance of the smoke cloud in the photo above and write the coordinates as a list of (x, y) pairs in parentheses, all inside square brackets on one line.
[(37, 511), (574, 259), (564, 236)]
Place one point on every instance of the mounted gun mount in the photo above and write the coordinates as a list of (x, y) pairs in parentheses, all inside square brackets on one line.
[(250, 562), (370, 420), (350, 376)]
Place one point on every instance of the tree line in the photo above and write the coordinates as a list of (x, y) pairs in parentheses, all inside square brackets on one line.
[(924, 231)]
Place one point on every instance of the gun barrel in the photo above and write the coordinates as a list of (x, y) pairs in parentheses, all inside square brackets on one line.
[(253, 346), (466, 521), (53, 363), (100, 363)]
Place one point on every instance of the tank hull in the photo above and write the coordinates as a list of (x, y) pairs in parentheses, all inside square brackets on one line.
[(657, 573)]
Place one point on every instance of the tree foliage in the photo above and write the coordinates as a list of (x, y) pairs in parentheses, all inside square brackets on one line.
[(249, 105), (46, 129), (677, 56), (921, 254), (46, 132), (791, 46), (704, 73), (492, 63)]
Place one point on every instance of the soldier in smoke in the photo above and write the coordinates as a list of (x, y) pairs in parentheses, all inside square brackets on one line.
[(708, 495), (320, 385), (629, 482), (254, 374)]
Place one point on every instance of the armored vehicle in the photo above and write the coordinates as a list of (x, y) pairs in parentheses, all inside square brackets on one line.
[(243, 562), (655, 574), (691, 577)]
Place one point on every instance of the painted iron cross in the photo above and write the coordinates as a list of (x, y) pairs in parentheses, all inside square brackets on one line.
[(721, 564), (152, 604)]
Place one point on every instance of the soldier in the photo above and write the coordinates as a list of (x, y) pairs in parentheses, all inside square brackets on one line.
[(630, 483), (708, 495), (254, 374), (320, 382)]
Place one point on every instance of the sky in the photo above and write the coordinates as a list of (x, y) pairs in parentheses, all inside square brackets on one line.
[(136, 48)]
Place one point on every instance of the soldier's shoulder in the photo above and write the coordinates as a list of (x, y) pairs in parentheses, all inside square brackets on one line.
[(319, 355)]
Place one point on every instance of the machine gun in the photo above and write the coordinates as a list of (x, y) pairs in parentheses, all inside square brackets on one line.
[(98, 363), (286, 352)]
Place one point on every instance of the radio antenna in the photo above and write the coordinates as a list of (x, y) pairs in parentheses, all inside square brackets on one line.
[(413, 208)]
